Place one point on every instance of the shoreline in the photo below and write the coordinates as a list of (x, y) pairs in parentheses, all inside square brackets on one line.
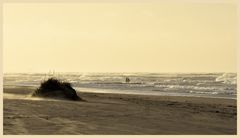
[(132, 92), (119, 114), (162, 95)]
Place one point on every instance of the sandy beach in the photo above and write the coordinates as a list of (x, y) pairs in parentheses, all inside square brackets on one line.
[(117, 114)]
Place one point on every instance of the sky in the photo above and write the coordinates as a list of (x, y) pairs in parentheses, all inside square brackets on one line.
[(120, 37)]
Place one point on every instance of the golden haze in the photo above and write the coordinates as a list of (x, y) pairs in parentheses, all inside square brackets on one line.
[(121, 37)]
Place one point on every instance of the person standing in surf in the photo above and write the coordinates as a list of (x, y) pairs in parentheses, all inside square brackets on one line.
[(127, 80)]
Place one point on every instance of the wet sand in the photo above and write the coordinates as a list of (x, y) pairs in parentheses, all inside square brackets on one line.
[(117, 114)]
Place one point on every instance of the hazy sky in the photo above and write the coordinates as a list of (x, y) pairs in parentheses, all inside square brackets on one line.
[(121, 37)]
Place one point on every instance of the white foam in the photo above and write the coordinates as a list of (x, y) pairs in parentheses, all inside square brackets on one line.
[(227, 78)]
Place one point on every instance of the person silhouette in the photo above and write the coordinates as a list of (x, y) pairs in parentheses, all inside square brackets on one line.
[(127, 80)]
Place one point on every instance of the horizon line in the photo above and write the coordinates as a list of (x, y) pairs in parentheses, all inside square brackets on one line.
[(115, 72)]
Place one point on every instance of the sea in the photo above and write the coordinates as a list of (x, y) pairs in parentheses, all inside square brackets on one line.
[(213, 85)]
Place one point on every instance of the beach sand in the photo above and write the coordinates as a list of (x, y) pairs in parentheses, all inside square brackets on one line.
[(117, 114)]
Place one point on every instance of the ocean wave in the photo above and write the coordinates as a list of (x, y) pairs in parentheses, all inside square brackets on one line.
[(186, 87), (227, 78), (180, 83)]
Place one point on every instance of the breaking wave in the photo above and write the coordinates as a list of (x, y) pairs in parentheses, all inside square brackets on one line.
[(178, 83)]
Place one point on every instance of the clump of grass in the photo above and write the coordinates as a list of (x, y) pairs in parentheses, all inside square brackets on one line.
[(54, 88)]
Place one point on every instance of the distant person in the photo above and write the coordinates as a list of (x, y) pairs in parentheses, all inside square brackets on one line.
[(127, 80)]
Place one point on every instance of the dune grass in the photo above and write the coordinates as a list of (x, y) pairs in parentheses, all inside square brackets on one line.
[(54, 88)]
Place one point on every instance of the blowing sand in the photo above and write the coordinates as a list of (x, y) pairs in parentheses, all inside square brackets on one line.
[(117, 114)]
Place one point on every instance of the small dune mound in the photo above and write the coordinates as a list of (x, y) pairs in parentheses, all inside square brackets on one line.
[(53, 88)]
